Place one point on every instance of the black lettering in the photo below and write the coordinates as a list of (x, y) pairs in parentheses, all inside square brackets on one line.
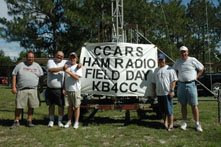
[(118, 51), (129, 75), (138, 63), (96, 53), (95, 86), (88, 72), (99, 74), (128, 49), (139, 51), (121, 87), (114, 88), (145, 74), (105, 64), (118, 62), (105, 50), (151, 63), (87, 61), (130, 87), (129, 64), (115, 75), (105, 86), (138, 75), (96, 62)]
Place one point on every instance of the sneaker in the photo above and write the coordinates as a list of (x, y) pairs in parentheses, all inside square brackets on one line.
[(16, 124), (199, 128), (51, 124), (68, 124), (183, 126), (76, 125), (60, 124), (30, 124)]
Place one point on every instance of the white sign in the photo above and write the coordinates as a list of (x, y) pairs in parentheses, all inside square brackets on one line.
[(118, 69)]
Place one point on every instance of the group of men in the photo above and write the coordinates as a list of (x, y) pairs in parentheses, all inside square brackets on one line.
[(63, 88), (164, 80)]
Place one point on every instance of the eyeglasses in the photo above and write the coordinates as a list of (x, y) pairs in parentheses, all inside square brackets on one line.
[(59, 56)]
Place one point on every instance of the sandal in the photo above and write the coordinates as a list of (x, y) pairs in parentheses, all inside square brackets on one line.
[(170, 129)]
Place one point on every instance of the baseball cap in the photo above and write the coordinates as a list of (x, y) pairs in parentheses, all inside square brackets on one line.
[(161, 56), (183, 48), (73, 54)]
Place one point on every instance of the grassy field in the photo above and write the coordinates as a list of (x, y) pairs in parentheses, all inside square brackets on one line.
[(107, 128)]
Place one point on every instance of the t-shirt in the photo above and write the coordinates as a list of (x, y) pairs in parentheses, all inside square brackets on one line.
[(55, 79), (70, 83), (27, 76), (163, 77), (187, 69)]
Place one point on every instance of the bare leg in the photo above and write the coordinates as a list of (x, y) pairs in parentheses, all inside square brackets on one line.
[(195, 112), (170, 121), (77, 114), (184, 111), (51, 109), (17, 113), (30, 113), (70, 112), (60, 110)]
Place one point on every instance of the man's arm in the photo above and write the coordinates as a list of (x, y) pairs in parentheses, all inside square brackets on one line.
[(154, 89), (172, 87), (199, 73), (56, 69), (75, 76), (14, 89)]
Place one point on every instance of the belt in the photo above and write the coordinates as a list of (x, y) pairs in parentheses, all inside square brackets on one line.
[(188, 81), (26, 88), (54, 88)]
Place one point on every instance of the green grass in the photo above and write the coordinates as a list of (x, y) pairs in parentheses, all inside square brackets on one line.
[(107, 128)]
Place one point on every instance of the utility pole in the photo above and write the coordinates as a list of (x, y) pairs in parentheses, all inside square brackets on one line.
[(117, 21)]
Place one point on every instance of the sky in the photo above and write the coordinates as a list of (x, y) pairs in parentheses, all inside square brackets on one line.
[(13, 49)]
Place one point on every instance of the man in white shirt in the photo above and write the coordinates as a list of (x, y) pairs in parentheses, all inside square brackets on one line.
[(164, 81), (187, 68), (54, 91), (73, 89)]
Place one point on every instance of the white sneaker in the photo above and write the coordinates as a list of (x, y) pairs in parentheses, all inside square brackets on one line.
[(199, 128), (60, 124), (68, 124), (183, 126), (51, 123), (76, 125)]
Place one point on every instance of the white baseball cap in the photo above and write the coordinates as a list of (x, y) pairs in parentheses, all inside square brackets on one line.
[(183, 48)]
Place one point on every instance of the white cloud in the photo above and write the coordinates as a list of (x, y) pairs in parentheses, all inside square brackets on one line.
[(11, 49)]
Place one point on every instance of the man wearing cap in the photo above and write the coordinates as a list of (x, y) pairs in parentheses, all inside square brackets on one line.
[(187, 68), (163, 82), (72, 89)]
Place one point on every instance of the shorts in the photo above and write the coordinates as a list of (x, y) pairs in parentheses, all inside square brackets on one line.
[(27, 97), (54, 96), (165, 104), (73, 98), (187, 93)]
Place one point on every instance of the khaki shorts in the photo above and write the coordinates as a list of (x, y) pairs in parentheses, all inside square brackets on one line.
[(27, 97), (73, 98)]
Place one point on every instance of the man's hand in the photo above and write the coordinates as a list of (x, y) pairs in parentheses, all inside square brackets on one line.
[(14, 90), (79, 66), (64, 92), (65, 67), (171, 94)]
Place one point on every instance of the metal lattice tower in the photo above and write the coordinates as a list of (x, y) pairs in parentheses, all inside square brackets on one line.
[(117, 21)]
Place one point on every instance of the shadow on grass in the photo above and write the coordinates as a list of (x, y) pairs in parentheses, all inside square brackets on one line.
[(124, 122)]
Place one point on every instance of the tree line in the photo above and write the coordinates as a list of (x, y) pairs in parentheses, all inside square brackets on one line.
[(46, 26)]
